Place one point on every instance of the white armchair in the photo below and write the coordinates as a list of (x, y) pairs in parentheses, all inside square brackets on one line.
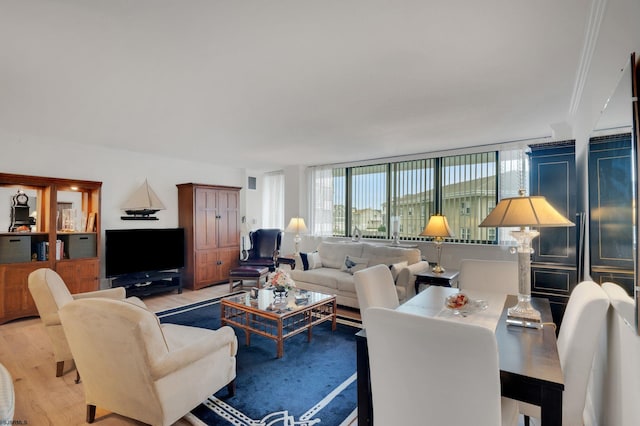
[(136, 367), (50, 293)]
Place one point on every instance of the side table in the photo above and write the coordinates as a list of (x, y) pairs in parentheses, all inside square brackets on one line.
[(448, 278)]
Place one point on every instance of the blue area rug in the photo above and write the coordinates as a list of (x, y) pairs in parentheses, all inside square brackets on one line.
[(314, 382)]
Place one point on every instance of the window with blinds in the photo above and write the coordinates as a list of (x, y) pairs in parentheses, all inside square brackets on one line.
[(468, 190), (339, 219), (465, 188), (369, 189), (413, 195)]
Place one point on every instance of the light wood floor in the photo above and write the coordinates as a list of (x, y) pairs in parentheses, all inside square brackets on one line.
[(42, 398)]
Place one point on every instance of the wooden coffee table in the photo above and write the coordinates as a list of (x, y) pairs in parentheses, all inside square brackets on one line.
[(278, 321)]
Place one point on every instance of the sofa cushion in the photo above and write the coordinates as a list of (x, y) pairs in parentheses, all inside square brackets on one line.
[(346, 284), (326, 277), (371, 252), (332, 254), (353, 264)]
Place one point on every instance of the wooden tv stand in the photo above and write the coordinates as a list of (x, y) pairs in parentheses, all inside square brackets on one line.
[(141, 285)]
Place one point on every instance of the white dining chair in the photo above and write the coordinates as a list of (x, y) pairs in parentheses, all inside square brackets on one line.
[(621, 301), (448, 372), (496, 276), (375, 287), (583, 320), (618, 371)]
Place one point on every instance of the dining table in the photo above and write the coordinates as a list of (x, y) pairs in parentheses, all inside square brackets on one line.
[(530, 369)]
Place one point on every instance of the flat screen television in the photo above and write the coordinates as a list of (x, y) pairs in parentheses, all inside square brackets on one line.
[(140, 251)]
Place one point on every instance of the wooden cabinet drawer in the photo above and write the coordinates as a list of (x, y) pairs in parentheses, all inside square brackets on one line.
[(79, 246), (15, 248)]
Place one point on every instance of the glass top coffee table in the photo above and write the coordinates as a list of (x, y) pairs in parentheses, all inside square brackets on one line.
[(278, 319)]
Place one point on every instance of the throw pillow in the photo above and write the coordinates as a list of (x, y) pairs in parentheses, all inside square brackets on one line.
[(396, 267), (315, 261), (310, 260), (354, 264)]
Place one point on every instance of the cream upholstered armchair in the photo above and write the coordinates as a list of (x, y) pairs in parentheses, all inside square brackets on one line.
[(50, 293), (155, 373)]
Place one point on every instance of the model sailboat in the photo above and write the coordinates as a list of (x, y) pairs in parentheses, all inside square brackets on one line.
[(142, 204)]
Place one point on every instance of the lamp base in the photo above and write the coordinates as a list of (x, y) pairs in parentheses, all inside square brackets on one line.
[(438, 269), (524, 311)]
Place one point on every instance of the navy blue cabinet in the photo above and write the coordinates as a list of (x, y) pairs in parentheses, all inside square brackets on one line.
[(557, 258), (611, 210)]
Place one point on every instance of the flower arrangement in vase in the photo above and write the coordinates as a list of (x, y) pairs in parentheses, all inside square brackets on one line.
[(280, 281)]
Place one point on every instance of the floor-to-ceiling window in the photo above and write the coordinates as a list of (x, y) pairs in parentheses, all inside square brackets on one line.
[(401, 196)]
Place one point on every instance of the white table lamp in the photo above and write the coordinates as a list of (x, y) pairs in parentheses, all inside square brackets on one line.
[(438, 228), (524, 212)]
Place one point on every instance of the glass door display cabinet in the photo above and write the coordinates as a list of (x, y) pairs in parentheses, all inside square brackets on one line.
[(46, 223)]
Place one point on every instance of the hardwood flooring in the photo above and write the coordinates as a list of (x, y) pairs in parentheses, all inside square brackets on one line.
[(42, 398)]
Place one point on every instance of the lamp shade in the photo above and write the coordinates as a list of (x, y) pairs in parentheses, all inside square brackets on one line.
[(525, 211), (296, 226), (437, 227)]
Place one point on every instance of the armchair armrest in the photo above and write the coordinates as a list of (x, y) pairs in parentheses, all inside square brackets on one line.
[(118, 293), (407, 278), (51, 319), (212, 341)]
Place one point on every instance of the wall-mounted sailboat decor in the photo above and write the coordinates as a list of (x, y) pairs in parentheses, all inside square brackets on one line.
[(142, 204)]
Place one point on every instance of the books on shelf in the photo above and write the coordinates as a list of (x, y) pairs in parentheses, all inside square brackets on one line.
[(42, 250), (59, 249)]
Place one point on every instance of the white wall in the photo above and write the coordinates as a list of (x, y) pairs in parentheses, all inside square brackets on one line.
[(120, 172), (253, 200)]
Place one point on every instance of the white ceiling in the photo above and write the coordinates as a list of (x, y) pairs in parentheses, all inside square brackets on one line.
[(267, 84)]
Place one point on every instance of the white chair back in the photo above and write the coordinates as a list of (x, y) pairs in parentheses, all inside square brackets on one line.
[(616, 370), (578, 338), (375, 287), (582, 322), (489, 275), (621, 301), (447, 374)]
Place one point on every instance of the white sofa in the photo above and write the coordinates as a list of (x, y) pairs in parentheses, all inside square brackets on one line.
[(332, 276)]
